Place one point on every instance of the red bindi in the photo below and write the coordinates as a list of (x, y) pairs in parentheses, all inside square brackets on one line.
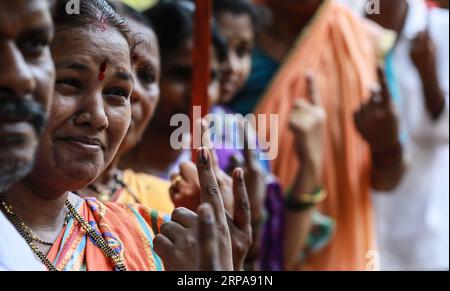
[(101, 74)]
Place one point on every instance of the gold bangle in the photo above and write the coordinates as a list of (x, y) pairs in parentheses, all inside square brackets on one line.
[(314, 198), (306, 201)]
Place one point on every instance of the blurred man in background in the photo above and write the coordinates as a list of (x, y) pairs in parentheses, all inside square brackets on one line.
[(413, 219), (26, 90)]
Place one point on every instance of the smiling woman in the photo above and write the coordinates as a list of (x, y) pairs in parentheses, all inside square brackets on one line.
[(88, 121), (90, 116), (126, 186)]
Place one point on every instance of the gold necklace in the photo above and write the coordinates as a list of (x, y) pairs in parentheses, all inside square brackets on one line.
[(26, 233), (34, 237)]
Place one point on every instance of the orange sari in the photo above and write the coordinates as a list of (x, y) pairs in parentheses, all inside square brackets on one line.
[(128, 229), (341, 52)]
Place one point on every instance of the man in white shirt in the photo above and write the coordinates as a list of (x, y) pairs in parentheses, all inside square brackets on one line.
[(413, 220), (15, 254), (26, 90)]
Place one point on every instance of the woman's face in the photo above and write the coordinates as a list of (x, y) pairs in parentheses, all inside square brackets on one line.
[(146, 72), (91, 111), (176, 83), (238, 31)]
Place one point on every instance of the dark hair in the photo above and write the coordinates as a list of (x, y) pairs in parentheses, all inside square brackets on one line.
[(219, 44), (238, 7), (173, 24), (92, 12)]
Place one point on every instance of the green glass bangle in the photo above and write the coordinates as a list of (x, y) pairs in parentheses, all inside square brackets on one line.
[(293, 204)]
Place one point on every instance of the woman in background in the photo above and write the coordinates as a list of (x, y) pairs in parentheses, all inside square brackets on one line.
[(126, 185), (288, 235), (173, 25)]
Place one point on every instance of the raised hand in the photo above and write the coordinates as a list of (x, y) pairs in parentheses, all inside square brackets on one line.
[(376, 120), (240, 224), (423, 54), (307, 122), (185, 186), (210, 193), (235, 230), (254, 178), (223, 179), (377, 124), (177, 240), (208, 247)]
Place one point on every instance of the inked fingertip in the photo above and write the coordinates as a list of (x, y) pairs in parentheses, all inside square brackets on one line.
[(203, 155), (238, 174)]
